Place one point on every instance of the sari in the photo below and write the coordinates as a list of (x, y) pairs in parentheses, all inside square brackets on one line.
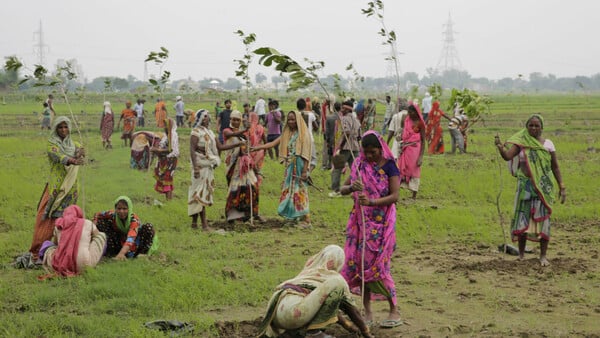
[(535, 186), (141, 143), (256, 135), (166, 164), (378, 227), (243, 191), (160, 113), (141, 238), (434, 132), (312, 299), (79, 244), (107, 122), (62, 188), (129, 117), (200, 193), (294, 149), (410, 172)]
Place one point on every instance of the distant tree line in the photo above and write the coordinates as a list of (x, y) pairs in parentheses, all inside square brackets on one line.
[(533, 82)]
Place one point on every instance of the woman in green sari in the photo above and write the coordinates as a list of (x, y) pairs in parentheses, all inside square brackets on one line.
[(315, 298), (537, 163), (65, 156)]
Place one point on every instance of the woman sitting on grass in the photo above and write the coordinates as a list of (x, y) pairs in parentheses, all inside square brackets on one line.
[(79, 244), (306, 304), (126, 237)]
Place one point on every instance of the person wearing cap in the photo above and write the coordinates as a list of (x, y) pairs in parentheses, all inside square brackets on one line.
[(260, 108), (179, 109)]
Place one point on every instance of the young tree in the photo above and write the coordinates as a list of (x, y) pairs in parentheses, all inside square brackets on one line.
[(159, 58), (377, 9), (244, 63)]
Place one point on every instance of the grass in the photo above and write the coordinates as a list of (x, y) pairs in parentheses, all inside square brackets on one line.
[(198, 276)]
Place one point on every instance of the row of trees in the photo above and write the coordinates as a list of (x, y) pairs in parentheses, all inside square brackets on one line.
[(449, 79)]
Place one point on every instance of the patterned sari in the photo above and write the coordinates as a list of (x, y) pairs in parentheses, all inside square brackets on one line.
[(243, 185), (62, 188), (535, 187), (141, 143), (200, 193), (311, 300), (378, 227), (294, 149), (167, 163)]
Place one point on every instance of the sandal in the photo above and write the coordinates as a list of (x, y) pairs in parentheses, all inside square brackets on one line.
[(390, 323)]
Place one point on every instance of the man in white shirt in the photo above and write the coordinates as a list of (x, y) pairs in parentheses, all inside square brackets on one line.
[(260, 109), (389, 111), (179, 108), (427, 100), (139, 110)]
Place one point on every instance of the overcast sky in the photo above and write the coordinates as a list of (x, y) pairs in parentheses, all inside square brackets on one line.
[(494, 38)]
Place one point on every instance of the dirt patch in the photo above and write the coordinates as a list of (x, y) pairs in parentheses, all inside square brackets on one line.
[(4, 227), (265, 224), (249, 328)]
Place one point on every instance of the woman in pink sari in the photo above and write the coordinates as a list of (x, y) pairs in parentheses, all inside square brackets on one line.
[(374, 184), (411, 157), (79, 244)]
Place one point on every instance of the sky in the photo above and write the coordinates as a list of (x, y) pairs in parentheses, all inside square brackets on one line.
[(493, 38)]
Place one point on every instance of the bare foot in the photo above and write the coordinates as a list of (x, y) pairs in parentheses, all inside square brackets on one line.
[(544, 261), (520, 259), (206, 228), (194, 226)]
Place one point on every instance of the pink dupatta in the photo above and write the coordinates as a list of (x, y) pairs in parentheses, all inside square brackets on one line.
[(71, 226)]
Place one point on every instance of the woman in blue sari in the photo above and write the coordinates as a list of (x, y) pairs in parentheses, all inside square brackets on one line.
[(295, 153)]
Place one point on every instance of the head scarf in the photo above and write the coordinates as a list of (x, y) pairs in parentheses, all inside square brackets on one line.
[(66, 145), (123, 225), (236, 114), (107, 108), (538, 116), (303, 144), (538, 160), (326, 263), (199, 117), (171, 127), (385, 149), (70, 224)]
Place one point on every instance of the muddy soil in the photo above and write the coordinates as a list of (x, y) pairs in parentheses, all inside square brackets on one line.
[(471, 289)]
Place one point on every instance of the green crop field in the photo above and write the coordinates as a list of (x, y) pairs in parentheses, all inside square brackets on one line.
[(450, 278)]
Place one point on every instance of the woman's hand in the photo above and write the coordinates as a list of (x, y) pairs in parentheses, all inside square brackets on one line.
[(304, 176), (75, 161), (80, 152), (356, 186), (497, 142), (363, 199), (420, 161), (562, 194)]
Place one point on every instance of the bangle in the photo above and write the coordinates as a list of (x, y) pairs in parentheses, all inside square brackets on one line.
[(371, 202)]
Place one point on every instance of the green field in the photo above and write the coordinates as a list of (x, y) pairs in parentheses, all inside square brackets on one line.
[(450, 279)]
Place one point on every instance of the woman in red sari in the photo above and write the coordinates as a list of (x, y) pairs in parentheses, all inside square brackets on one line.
[(434, 132), (168, 152), (257, 137), (411, 157)]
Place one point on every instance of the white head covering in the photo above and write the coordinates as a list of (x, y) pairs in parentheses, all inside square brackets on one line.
[(236, 114), (199, 117), (107, 108), (177, 98)]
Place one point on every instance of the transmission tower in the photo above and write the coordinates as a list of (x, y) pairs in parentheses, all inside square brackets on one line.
[(449, 56), (39, 47)]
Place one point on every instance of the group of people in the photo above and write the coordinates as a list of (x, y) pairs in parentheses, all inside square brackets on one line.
[(129, 117), (64, 241)]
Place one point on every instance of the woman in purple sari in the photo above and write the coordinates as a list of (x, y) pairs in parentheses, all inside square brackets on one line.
[(374, 184)]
